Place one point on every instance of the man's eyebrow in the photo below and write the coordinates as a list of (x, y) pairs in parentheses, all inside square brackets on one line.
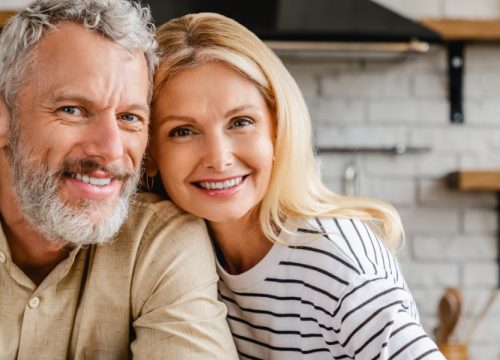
[(72, 97), (139, 107), (78, 98)]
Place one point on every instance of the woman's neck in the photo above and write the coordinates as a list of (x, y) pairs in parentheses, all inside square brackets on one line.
[(242, 244)]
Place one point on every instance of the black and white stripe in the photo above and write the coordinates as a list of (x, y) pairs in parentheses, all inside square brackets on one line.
[(335, 293)]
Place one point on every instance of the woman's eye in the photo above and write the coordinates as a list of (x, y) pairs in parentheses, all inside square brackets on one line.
[(70, 110), (242, 122), (180, 132)]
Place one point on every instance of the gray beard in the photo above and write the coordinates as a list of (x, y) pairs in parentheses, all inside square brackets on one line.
[(37, 189)]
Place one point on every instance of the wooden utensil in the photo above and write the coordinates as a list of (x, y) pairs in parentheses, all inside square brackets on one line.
[(449, 310)]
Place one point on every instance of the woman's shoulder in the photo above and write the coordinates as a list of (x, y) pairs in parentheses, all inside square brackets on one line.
[(350, 242)]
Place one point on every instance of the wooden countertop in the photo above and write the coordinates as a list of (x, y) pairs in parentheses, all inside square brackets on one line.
[(4, 16), (470, 180)]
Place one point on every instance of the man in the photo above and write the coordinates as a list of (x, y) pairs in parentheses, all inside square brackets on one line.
[(75, 282)]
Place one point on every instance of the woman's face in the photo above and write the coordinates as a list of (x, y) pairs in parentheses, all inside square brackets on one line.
[(212, 142)]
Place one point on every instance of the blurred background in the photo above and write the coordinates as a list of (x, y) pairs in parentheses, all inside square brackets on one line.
[(411, 117)]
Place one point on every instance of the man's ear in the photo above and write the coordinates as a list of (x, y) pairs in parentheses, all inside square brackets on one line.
[(4, 123)]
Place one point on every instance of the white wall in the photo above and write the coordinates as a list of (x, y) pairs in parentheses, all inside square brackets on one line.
[(466, 9), (450, 236), (12, 4)]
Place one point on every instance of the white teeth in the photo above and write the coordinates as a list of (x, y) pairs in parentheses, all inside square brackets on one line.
[(92, 180), (220, 185)]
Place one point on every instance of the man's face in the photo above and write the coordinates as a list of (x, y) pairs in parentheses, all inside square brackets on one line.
[(78, 135)]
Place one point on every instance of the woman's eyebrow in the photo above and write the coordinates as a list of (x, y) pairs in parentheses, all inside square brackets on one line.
[(175, 118), (241, 108)]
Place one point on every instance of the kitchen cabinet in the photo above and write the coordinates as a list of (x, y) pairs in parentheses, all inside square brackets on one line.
[(4, 16)]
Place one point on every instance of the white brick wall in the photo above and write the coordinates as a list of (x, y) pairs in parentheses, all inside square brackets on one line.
[(436, 193), (453, 247), (429, 220), (482, 275), (475, 9), (397, 192), (433, 276), (358, 135), (393, 111), (451, 236), (437, 165), (480, 221)]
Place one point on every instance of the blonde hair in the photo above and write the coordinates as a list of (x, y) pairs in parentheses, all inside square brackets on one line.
[(295, 188)]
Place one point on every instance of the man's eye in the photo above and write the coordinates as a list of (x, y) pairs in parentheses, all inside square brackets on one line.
[(180, 132), (130, 118), (242, 122), (70, 110)]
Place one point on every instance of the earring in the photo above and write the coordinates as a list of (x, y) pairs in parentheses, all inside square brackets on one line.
[(150, 182)]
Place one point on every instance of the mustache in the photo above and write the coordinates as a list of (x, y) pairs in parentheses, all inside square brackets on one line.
[(88, 166)]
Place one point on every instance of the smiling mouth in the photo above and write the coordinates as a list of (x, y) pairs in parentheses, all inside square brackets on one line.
[(220, 185), (90, 180)]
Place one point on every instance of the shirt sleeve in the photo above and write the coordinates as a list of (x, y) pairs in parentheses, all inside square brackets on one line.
[(176, 314), (374, 321)]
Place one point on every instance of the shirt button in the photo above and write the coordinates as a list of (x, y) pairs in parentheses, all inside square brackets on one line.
[(2, 257), (34, 302)]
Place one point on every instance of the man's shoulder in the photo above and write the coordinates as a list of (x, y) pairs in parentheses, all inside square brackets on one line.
[(143, 204), (153, 219), (152, 209), (156, 232)]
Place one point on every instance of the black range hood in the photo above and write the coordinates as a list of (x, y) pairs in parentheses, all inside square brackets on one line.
[(311, 24)]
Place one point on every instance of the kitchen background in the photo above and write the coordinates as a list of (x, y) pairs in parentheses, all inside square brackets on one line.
[(451, 236)]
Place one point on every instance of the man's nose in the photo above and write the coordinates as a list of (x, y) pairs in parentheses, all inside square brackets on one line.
[(105, 138)]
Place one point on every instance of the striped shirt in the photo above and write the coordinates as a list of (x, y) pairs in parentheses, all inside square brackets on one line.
[(334, 293)]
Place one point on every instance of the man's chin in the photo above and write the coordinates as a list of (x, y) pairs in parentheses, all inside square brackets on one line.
[(88, 223), (66, 211), (97, 223)]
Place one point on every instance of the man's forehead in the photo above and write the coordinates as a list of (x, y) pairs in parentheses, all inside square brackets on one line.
[(70, 45), (72, 58), (70, 38)]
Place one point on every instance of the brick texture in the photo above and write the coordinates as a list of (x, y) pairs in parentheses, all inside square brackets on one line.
[(450, 236)]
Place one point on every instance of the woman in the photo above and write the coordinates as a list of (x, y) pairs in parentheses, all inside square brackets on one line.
[(302, 272)]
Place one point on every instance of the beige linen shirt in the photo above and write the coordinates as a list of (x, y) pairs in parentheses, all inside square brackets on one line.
[(150, 294)]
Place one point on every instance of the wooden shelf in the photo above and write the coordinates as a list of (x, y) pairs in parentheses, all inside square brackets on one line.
[(466, 30), (4, 16), (475, 180)]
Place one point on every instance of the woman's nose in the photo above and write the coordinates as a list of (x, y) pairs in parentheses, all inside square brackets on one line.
[(218, 153)]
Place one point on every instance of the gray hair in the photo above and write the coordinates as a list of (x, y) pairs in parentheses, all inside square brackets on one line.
[(125, 22)]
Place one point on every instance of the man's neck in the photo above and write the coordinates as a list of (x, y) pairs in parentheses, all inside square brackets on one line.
[(31, 252)]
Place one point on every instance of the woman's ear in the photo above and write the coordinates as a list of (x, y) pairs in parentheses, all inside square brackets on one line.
[(4, 123), (150, 165)]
